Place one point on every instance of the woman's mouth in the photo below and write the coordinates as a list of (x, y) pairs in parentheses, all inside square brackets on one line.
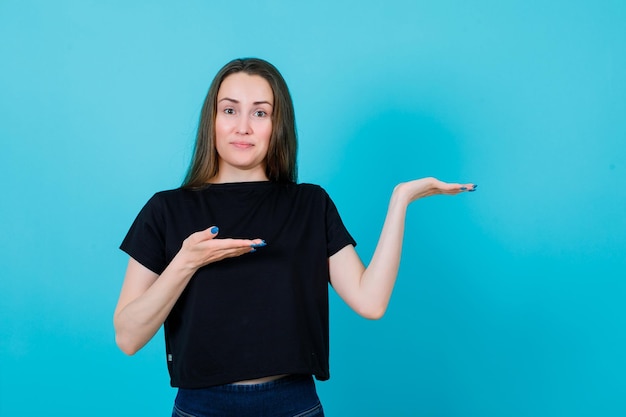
[(242, 145)]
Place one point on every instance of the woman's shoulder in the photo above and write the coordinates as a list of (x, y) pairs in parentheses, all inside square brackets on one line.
[(311, 193), (168, 197), (169, 194), (308, 186), (310, 189)]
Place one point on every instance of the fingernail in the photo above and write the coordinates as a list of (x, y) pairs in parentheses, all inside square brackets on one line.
[(215, 229), (259, 245), (253, 250), (463, 188)]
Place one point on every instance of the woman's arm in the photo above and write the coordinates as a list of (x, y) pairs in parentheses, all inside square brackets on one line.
[(367, 290), (146, 298)]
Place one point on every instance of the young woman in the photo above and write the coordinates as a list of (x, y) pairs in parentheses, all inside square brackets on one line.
[(236, 263)]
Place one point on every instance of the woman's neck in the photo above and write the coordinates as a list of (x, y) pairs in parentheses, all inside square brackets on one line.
[(238, 176)]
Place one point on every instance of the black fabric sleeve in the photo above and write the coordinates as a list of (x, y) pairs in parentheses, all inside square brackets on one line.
[(337, 236), (145, 241)]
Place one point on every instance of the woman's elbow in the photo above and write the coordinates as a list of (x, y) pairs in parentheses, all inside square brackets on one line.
[(126, 345), (124, 339), (372, 312)]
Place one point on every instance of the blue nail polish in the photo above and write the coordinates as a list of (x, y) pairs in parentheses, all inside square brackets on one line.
[(259, 245), (463, 188), (215, 229), (253, 250)]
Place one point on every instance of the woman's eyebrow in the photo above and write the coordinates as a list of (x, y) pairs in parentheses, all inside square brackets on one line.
[(256, 103)]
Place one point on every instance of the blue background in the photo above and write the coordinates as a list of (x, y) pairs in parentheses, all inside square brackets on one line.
[(509, 302)]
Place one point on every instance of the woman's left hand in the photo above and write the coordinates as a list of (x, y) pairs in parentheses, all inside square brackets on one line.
[(425, 187), (367, 290)]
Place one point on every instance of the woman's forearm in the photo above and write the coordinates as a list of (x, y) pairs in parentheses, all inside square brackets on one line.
[(368, 290), (378, 279), (146, 298), (139, 320)]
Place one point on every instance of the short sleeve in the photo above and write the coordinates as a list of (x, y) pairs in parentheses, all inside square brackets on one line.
[(337, 236), (145, 240)]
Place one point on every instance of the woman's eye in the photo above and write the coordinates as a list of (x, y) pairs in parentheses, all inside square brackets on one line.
[(260, 113), (229, 111)]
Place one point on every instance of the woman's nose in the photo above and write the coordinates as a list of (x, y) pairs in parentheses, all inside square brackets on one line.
[(243, 126)]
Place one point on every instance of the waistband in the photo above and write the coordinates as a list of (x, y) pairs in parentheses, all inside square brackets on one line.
[(264, 386)]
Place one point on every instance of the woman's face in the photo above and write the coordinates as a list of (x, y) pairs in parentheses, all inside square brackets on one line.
[(243, 126)]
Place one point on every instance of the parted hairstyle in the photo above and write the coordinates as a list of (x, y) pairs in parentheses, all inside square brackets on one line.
[(281, 155)]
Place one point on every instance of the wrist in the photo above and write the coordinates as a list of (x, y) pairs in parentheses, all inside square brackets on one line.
[(183, 265), (400, 195)]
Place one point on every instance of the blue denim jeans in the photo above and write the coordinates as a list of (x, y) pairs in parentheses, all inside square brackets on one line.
[(291, 396)]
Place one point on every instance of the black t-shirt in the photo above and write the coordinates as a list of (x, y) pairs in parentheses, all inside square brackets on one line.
[(259, 314)]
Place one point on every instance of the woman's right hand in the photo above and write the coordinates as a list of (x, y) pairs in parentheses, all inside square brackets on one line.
[(146, 298), (202, 248)]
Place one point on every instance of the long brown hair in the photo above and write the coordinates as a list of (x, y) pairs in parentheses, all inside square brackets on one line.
[(281, 156)]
